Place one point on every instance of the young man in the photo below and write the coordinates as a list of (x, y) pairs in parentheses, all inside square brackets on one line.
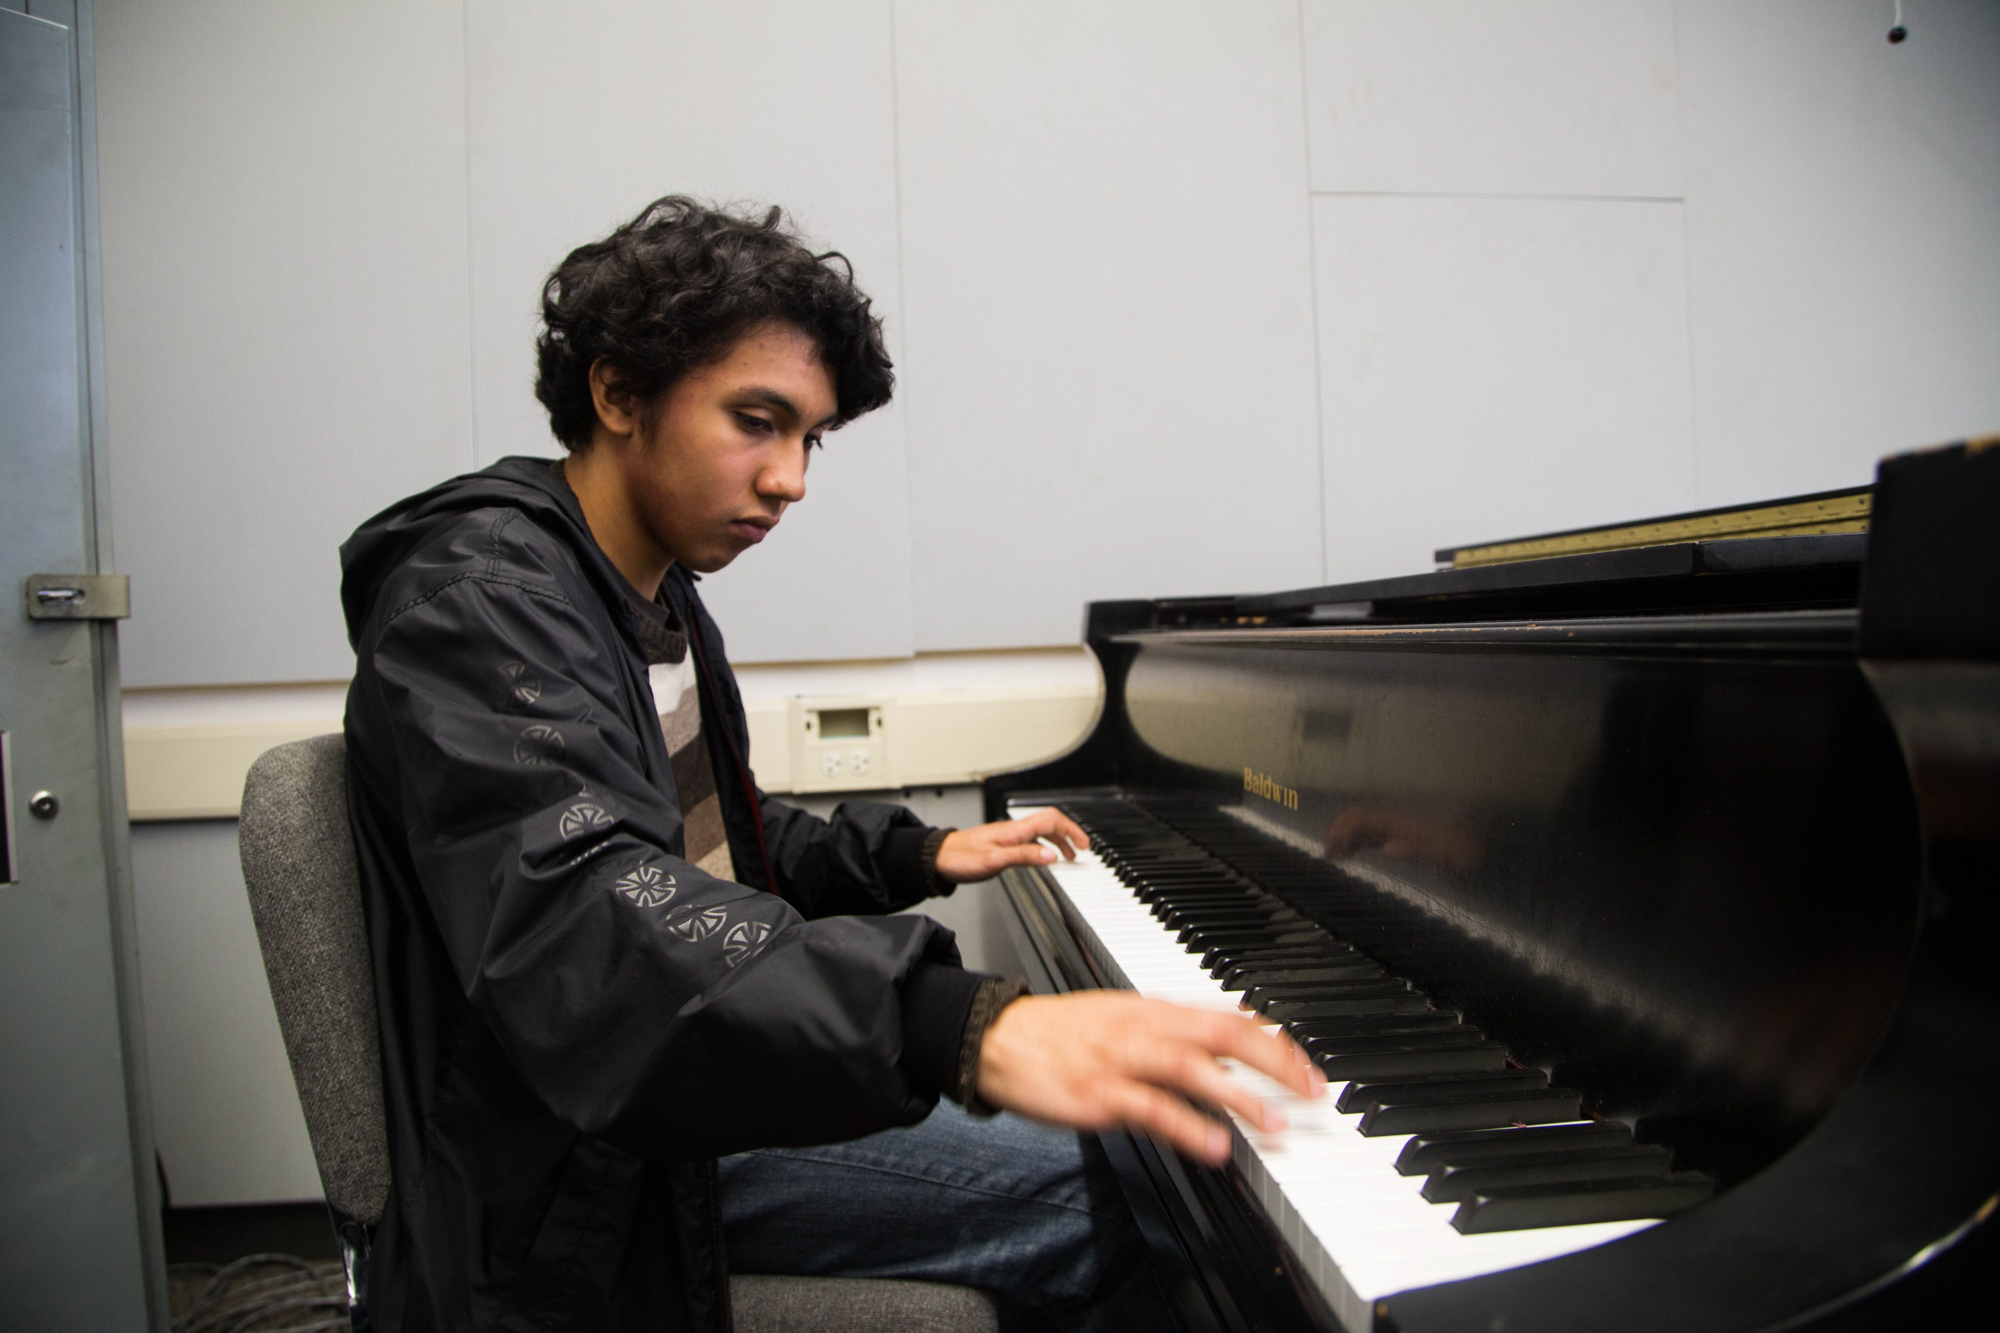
[(605, 960)]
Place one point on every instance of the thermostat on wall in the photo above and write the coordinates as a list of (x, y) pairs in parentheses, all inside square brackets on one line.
[(839, 743)]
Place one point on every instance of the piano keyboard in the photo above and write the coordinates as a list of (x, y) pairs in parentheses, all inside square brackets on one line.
[(1496, 1160)]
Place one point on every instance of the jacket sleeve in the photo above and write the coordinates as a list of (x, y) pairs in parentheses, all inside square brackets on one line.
[(671, 1013), (867, 859)]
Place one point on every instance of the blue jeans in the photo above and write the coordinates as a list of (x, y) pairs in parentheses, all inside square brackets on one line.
[(1029, 1213)]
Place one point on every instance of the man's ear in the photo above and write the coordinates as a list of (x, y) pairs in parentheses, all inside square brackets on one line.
[(617, 414)]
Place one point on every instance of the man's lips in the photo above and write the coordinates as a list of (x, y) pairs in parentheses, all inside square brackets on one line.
[(752, 530)]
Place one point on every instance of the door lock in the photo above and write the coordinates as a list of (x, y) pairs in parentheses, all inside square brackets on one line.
[(43, 805)]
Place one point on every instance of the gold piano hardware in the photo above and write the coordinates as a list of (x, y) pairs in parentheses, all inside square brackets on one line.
[(1806, 516), (1259, 785)]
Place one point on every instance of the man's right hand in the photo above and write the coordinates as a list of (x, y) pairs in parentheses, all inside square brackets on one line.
[(1094, 1059)]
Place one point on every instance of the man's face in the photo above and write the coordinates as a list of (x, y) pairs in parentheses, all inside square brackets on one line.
[(727, 447)]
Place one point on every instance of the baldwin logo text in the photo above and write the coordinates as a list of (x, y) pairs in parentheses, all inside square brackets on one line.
[(1260, 785)]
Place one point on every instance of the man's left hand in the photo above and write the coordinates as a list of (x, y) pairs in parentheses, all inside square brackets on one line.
[(973, 854)]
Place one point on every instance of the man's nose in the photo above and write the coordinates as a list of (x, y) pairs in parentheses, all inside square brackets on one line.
[(784, 478)]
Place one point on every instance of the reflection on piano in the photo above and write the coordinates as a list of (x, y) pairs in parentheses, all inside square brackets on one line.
[(1639, 906)]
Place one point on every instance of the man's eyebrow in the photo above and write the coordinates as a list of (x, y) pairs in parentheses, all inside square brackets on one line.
[(772, 398)]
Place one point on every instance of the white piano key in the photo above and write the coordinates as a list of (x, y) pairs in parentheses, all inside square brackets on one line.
[(1360, 1230)]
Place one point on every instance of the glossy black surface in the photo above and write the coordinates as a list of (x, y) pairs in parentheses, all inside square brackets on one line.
[(1863, 1224), (1671, 861)]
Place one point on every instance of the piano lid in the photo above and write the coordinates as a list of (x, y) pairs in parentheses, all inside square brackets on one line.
[(1826, 512)]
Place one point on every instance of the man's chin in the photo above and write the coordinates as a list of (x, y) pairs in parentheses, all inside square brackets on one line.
[(708, 562)]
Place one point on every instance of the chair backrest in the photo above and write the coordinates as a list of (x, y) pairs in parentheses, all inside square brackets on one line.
[(298, 863)]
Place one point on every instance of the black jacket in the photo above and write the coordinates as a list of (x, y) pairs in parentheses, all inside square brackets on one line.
[(575, 1020)]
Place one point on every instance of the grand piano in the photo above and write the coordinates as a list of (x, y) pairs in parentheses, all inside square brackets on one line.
[(1639, 905)]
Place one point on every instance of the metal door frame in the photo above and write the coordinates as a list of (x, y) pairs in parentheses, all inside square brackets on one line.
[(74, 16)]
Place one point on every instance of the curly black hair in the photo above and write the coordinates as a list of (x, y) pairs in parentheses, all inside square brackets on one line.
[(676, 288)]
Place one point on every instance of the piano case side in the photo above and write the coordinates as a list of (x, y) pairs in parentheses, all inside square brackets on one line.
[(1095, 762), (1884, 1212)]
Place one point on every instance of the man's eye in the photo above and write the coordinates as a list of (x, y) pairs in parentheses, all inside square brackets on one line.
[(812, 442), (754, 424)]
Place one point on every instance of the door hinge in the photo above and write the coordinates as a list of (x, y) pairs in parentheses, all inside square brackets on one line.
[(78, 597)]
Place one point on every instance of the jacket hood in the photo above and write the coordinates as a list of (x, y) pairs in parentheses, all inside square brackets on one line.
[(531, 485)]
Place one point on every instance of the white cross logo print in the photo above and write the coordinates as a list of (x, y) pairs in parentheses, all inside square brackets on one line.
[(522, 682), (744, 938), (648, 886), (580, 817), (702, 924), (539, 744)]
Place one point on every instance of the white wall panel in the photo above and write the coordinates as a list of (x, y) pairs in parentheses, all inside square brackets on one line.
[(1565, 97), (1107, 266), (283, 212), (579, 115), (1497, 367), (225, 1109), (1843, 236)]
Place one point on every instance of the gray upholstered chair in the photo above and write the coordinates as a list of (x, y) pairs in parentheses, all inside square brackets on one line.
[(298, 862)]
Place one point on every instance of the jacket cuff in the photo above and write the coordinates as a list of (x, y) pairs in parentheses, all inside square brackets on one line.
[(937, 998), (909, 864), (994, 994), (933, 843)]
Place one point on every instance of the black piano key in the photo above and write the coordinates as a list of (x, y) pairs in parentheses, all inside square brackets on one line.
[(1528, 1206), (1251, 918), (1195, 888), (1359, 1096), (1455, 1184), (1239, 922), (1244, 977), (1167, 909), (1204, 940), (1397, 1032), (1399, 1059), (1219, 961), (1530, 1106), (1249, 931), (1427, 1152), (1294, 1011), (1244, 916), (1217, 884), (1378, 1025), (1258, 996), (1212, 898), (1214, 904), (1188, 889)]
